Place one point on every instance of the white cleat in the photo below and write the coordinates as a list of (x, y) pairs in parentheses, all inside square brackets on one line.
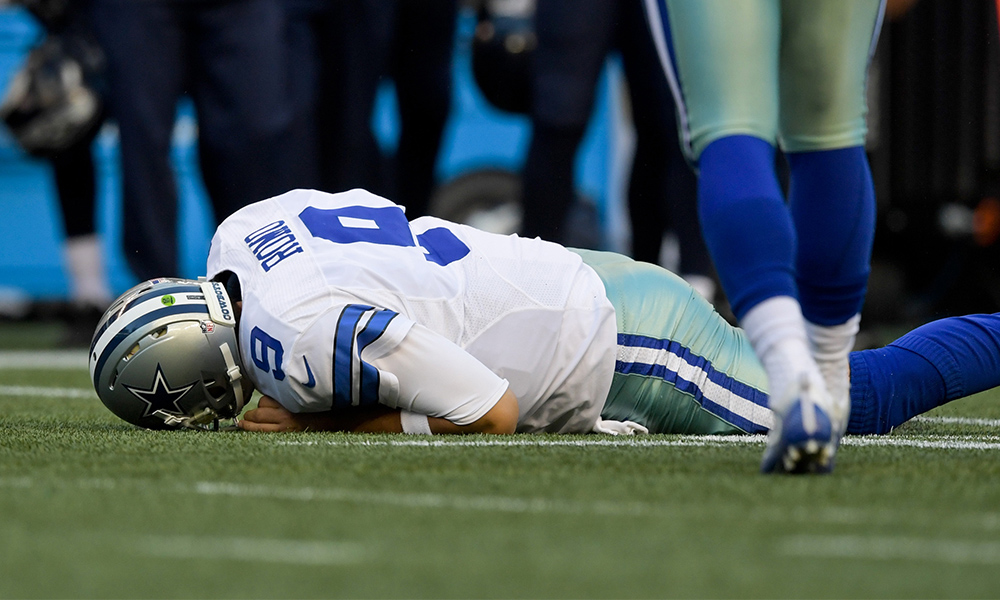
[(805, 437)]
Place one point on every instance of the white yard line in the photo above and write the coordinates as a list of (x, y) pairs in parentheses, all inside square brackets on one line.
[(569, 440), (16, 482), (46, 392), (75, 359), (947, 442), (892, 548), (294, 552), (838, 516), (412, 500), (455, 502), (959, 421), (810, 515), (942, 442), (428, 500)]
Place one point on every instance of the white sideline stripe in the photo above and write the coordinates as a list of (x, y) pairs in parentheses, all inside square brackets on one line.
[(959, 421), (16, 482), (409, 500), (296, 552), (944, 442), (570, 440), (811, 515), (426, 500), (46, 392), (938, 442), (43, 359), (892, 548)]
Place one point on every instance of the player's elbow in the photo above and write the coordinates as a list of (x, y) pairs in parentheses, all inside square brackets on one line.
[(502, 418)]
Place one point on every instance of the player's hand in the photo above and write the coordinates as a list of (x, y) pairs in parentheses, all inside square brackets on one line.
[(269, 416)]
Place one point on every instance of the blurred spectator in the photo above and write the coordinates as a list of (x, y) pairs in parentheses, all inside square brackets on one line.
[(313, 33), (84, 254), (421, 67), (574, 39), (663, 189), (54, 107), (341, 52), (229, 56)]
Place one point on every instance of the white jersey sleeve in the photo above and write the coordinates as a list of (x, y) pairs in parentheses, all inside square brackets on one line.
[(434, 377), (379, 356)]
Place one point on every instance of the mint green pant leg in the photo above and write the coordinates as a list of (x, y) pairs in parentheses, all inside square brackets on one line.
[(826, 49), (792, 71), (709, 364), (726, 63)]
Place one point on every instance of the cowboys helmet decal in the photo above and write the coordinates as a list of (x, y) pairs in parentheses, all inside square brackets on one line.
[(160, 396)]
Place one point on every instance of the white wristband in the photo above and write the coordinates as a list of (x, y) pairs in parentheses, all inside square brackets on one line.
[(415, 423)]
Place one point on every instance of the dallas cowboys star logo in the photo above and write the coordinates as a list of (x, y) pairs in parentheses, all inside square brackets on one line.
[(160, 396)]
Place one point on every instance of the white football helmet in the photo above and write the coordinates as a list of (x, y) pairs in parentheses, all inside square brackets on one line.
[(165, 356)]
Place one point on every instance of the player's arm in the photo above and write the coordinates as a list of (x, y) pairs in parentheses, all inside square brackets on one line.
[(425, 384), (269, 416)]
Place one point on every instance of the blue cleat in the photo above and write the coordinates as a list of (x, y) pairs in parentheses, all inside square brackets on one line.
[(804, 439)]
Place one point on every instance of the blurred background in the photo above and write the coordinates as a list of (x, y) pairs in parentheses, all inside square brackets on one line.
[(542, 117)]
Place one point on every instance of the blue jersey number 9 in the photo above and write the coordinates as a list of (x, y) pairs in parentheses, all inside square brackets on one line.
[(384, 225), (262, 347)]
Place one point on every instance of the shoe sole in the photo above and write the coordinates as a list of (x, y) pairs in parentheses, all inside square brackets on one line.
[(798, 451)]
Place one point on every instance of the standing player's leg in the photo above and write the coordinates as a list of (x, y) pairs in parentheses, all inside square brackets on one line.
[(722, 60), (826, 49)]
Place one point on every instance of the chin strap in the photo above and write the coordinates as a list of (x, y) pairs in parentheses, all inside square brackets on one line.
[(198, 421), (235, 375)]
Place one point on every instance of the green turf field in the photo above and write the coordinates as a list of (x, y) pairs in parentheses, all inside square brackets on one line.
[(92, 507)]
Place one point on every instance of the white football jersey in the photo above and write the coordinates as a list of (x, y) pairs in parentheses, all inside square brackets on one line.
[(345, 303)]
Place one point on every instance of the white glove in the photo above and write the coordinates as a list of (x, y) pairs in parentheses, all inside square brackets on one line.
[(619, 427)]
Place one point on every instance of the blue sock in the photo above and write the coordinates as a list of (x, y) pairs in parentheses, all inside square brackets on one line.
[(930, 366), (745, 221), (832, 201)]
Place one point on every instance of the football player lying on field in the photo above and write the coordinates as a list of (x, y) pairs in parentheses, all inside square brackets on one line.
[(346, 317)]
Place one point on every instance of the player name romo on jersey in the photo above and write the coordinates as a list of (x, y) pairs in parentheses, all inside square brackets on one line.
[(272, 244)]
